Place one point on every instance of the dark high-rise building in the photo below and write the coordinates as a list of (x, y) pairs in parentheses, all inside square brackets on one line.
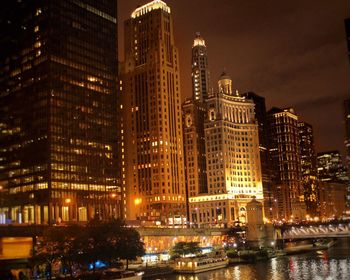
[(309, 168), (285, 155), (347, 30), (194, 116), (330, 167), (267, 174), (58, 70), (154, 173)]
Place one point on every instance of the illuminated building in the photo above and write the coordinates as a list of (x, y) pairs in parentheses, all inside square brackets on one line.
[(233, 159), (330, 167), (58, 68), (154, 172), (200, 70), (267, 175), (194, 115), (285, 155), (309, 168)]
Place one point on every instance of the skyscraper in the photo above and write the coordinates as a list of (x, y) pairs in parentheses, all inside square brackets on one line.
[(267, 174), (154, 172), (58, 67), (200, 70), (194, 116), (233, 159), (330, 167), (333, 174), (308, 167), (285, 155)]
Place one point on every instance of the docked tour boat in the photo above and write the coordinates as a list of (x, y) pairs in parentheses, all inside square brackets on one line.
[(200, 264)]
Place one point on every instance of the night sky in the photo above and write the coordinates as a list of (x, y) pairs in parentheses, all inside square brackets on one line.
[(291, 52)]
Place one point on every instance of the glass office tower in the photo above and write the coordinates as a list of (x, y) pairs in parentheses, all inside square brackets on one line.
[(58, 72)]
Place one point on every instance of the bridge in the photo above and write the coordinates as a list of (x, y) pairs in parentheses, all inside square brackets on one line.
[(334, 229)]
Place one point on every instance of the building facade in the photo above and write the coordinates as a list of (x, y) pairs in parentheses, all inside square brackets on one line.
[(285, 155), (333, 200), (154, 178), (309, 168), (232, 160), (267, 174), (58, 63), (330, 167), (194, 116)]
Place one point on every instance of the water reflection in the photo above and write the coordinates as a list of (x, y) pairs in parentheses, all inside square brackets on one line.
[(331, 264)]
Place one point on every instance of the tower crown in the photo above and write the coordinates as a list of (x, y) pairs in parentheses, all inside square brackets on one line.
[(154, 5), (198, 41)]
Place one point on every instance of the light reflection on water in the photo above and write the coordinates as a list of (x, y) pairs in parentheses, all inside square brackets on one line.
[(319, 265)]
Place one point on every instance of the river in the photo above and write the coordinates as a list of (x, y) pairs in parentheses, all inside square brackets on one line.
[(333, 263)]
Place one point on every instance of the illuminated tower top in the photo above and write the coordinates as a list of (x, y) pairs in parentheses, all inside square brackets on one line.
[(154, 5), (199, 41), (200, 70)]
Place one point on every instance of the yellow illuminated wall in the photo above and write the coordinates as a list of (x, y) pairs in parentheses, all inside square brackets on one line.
[(15, 247)]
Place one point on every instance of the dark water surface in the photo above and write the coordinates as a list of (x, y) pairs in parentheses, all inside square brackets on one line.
[(333, 263)]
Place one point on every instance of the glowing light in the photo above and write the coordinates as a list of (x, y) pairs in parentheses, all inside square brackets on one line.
[(68, 200), (154, 5), (138, 201), (199, 41)]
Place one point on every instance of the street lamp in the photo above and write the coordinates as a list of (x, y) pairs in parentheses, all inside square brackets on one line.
[(137, 201)]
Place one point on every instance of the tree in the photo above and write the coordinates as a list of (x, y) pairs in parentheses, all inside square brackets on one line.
[(109, 242), (130, 245), (105, 241), (49, 249), (186, 248)]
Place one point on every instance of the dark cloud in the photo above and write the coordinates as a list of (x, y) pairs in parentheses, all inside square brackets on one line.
[(292, 52)]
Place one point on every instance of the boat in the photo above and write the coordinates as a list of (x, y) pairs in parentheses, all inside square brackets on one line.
[(200, 264), (325, 244)]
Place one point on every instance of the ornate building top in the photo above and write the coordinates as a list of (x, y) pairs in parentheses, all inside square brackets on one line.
[(199, 41), (154, 5)]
